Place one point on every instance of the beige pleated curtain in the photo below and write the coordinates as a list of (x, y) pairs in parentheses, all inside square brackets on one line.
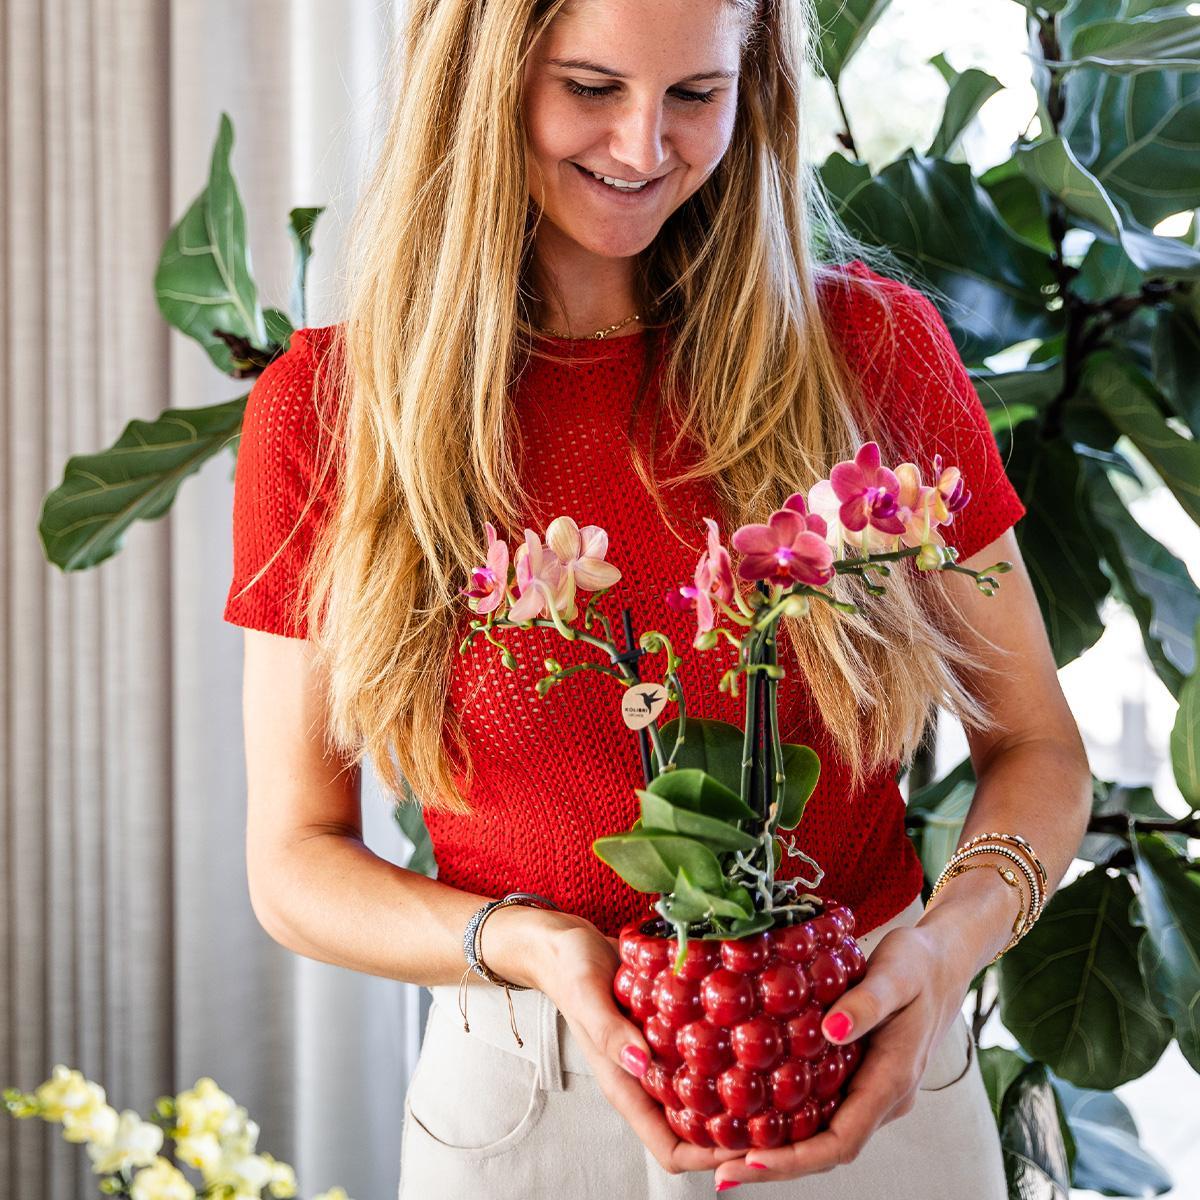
[(128, 947)]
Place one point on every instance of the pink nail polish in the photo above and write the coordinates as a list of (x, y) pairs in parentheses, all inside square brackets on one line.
[(634, 1060), (757, 1166), (727, 1183), (838, 1026)]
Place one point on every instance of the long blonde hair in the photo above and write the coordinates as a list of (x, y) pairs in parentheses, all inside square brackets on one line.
[(437, 333)]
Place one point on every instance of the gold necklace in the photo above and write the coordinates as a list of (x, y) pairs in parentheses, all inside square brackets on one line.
[(600, 333)]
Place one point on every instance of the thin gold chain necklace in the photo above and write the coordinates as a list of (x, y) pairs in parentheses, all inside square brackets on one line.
[(600, 333)]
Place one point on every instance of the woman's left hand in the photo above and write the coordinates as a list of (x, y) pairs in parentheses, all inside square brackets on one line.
[(912, 991)]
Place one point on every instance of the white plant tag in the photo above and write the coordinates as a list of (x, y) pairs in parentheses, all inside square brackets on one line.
[(641, 703)]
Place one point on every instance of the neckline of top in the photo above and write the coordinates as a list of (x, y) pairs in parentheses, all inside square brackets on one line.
[(584, 347)]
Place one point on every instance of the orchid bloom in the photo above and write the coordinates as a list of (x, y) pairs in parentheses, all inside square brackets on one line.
[(790, 548), (490, 580), (541, 580), (581, 552), (916, 508), (951, 494), (868, 492), (713, 581)]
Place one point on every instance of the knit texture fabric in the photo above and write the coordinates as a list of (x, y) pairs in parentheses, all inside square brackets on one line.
[(552, 774)]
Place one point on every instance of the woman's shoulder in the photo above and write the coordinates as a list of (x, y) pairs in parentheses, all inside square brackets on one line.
[(297, 391)]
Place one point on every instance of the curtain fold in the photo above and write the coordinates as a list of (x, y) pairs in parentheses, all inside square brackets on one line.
[(128, 947)]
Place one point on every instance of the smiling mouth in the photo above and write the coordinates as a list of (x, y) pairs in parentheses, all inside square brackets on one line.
[(649, 186)]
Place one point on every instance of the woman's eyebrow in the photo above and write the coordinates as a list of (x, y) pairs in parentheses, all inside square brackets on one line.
[(582, 64)]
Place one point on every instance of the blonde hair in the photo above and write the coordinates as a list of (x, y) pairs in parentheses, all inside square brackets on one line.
[(437, 333)]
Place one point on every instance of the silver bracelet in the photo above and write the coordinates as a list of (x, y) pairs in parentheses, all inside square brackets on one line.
[(471, 933)]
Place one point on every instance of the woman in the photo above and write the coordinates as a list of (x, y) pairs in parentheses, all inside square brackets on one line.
[(470, 382)]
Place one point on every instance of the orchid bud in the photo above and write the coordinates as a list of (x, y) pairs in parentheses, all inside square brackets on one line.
[(796, 606), (930, 557), (706, 640), (508, 660)]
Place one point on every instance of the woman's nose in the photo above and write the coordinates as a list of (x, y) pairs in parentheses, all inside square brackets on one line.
[(637, 138)]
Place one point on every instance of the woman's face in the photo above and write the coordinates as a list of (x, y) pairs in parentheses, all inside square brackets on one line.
[(665, 80)]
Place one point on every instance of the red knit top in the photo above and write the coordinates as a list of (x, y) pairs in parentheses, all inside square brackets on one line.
[(552, 774)]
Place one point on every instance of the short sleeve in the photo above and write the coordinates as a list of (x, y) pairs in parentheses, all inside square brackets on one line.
[(925, 401), (281, 490)]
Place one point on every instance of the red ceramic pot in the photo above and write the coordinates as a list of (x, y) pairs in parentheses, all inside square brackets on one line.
[(738, 1056)]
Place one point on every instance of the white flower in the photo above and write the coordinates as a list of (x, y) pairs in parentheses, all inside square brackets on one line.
[(98, 1123), (203, 1109), (161, 1181), (135, 1144)]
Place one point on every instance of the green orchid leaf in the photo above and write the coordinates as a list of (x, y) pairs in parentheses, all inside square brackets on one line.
[(659, 813), (203, 282), (1071, 990), (649, 860), (85, 518), (714, 747), (802, 768), (704, 903), (698, 791), (1168, 908), (744, 927)]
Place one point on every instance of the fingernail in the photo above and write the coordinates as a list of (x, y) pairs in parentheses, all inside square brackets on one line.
[(634, 1060), (759, 1166), (727, 1183), (837, 1026)]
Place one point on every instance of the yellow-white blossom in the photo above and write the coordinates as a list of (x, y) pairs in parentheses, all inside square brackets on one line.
[(67, 1091), (199, 1150), (204, 1108), (135, 1144), (98, 1124), (161, 1181), (337, 1193), (282, 1184)]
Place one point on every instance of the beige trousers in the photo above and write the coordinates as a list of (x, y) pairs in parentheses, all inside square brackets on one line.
[(486, 1118)]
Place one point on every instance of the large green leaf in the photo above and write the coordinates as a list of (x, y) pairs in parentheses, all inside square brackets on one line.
[(1000, 1068), (1051, 164), (1037, 1155), (943, 828), (1147, 43), (1109, 1157), (844, 25), (1177, 363), (203, 282), (1153, 582), (1118, 799), (699, 792), (1055, 545), (802, 768), (1139, 136), (1071, 990), (1134, 405), (1185, 740), (1032, 387), (1168, 908), (649, 861), (691, 903), (714, 747), (301, 222), (969, 92), (660, 813), (1106, 271), (1020, 205), (85, 518), (941, 224)]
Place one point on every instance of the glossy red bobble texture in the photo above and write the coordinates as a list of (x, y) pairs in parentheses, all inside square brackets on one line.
[(739, 1059)]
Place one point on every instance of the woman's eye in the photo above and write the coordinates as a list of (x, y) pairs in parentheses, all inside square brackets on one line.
[(581, 89)]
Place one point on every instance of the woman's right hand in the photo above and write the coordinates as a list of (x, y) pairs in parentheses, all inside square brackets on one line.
[(575, 965)]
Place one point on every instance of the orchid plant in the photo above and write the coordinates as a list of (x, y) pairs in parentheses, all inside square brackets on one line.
[(707, 839)]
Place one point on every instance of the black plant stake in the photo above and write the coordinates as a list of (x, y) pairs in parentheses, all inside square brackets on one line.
[(630, 655)]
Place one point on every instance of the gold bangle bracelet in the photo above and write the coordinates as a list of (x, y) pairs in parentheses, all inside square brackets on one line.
[(1035, 892), (1021, 843)]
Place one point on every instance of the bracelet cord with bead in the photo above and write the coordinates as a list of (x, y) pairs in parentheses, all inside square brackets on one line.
[(1035, 891)]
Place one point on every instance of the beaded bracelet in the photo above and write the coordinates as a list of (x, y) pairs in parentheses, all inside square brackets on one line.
[(1036, 899), (471, 949), (1017, 840)]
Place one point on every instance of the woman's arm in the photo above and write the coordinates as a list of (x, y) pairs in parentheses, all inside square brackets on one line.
[(1031, 768)]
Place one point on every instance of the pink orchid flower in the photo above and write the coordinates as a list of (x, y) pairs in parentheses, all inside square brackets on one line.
[(713, 581), (951, 492), (490, 580), (867, 491), (541, 580), (581, 552), (916, 508), (790, 548)]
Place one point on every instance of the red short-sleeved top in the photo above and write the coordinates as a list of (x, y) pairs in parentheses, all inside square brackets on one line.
[(552, 774)]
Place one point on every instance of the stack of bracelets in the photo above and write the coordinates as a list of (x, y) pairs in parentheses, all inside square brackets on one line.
[(1014, 847), (473, 952)]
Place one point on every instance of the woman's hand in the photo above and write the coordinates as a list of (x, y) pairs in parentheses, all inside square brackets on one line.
[(912, 992), (575, 967)]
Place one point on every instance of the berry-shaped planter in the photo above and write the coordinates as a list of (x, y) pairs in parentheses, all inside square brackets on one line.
[(739, 1059)]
